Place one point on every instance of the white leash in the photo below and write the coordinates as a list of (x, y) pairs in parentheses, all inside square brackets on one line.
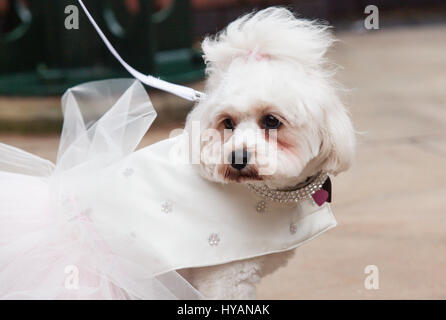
[(181, 91)]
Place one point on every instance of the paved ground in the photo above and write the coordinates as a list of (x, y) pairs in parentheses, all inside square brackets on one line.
[(391, 206)]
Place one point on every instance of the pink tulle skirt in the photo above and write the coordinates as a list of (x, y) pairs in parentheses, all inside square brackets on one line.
[(48, 247)]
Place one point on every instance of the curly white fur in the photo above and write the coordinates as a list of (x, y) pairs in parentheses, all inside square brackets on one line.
[(271, 62)]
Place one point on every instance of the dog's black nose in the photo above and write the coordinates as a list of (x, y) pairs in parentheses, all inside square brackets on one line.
[(239, 159)]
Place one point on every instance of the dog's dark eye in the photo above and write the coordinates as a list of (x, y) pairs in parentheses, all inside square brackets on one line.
[(270, 122), (229, 124)]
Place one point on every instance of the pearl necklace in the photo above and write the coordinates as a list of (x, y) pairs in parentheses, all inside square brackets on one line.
[(297, 195)]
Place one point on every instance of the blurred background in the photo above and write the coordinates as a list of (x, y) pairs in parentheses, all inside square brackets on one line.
[(391, 205)]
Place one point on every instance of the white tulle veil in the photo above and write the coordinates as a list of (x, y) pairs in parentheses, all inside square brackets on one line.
[(48, 247)]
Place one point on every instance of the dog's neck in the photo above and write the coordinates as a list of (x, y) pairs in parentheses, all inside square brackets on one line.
[(290, 184), (311, 188)]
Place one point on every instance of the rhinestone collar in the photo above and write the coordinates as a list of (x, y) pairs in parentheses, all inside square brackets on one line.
[(290, 196)]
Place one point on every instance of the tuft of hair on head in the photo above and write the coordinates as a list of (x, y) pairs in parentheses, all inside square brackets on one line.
[(273, 32)]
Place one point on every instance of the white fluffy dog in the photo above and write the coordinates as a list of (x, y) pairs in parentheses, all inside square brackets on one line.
[(267, 71)]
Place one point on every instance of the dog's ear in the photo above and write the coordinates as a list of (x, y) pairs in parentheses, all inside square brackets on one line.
[(338, 139)]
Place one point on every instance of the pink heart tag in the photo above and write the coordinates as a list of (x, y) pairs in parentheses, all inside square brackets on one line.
[(320, 197)]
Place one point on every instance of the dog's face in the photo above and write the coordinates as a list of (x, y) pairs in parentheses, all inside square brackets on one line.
[(267, 118)]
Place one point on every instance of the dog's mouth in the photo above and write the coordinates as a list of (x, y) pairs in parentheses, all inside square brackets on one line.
[(249, 173)]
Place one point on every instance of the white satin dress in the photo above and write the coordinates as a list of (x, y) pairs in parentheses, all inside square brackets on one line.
[(108, 222)]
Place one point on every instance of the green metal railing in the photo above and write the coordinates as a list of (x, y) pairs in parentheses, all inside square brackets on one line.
[(40, 56)]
